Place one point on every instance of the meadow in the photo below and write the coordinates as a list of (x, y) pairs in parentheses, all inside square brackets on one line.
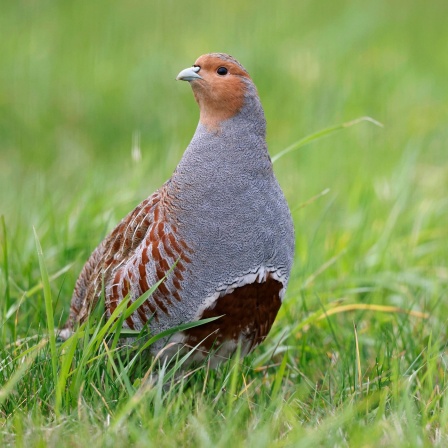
[(92, 121)]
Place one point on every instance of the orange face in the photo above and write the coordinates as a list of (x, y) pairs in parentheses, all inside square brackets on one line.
[(220, 89)]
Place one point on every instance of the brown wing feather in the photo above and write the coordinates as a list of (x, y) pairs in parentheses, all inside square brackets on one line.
[(144, 238), (128, 234)]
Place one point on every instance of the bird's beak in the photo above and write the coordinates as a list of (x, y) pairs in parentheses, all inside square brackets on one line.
[(189, 74)]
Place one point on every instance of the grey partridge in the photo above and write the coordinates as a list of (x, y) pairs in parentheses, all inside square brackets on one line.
[(221, 220)]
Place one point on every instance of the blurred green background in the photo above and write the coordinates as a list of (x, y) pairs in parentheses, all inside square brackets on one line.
[(82, 83)]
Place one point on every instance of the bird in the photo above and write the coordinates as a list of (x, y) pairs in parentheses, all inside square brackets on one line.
[(219, 232)]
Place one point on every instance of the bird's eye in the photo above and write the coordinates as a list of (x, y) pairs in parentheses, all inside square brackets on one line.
[(222, 71)]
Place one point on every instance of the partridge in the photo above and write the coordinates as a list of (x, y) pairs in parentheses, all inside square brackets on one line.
[(221, 222)]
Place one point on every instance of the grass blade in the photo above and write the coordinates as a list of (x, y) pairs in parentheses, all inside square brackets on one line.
[(7, 305), (7, 388), (48, 306), (322, 133)]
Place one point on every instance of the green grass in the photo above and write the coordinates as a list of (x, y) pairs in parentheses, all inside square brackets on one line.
[(357, 356)]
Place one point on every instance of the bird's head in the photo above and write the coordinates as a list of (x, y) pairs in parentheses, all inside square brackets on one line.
[(220, 85)]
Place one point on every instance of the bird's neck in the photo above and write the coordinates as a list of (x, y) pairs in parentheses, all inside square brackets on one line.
[(248, 121), (240, 136), (214, 157)]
